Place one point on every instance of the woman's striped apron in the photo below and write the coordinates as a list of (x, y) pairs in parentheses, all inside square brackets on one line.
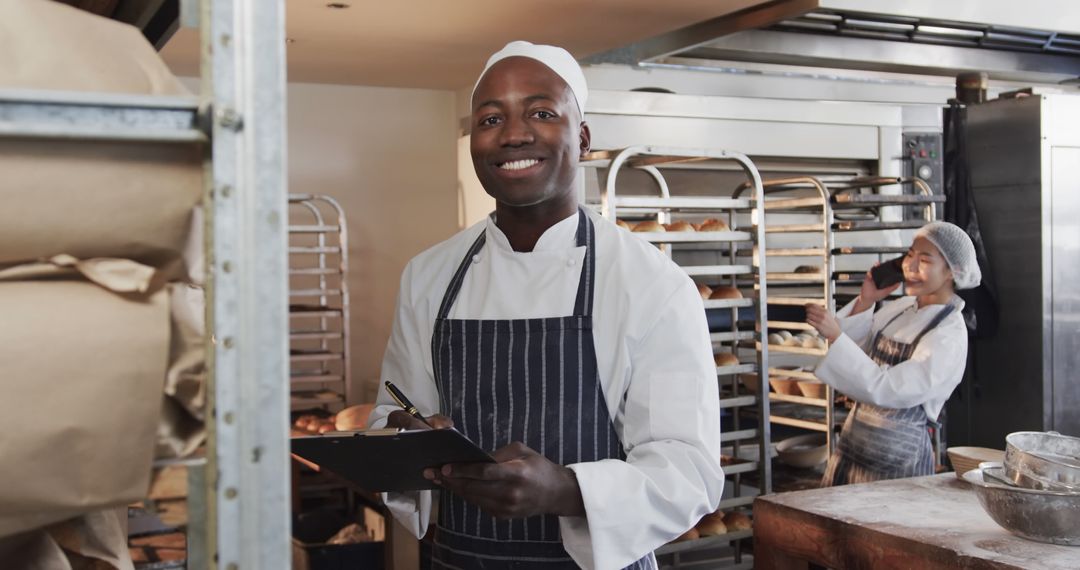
[(879, 443)]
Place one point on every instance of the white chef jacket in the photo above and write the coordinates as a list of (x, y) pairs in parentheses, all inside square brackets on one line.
[(927, 378), (654, 359)]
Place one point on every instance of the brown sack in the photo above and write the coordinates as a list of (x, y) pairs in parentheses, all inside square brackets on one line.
[(48, 45), (124, 200), (82, 369), (95, 541)]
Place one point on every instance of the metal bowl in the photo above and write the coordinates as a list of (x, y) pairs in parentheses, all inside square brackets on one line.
[(1043, 460), (1043, 516)]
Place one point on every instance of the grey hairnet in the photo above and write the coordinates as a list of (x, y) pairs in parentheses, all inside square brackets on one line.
[(956, 247)]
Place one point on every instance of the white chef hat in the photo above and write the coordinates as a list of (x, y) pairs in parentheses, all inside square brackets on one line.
[(956, 247), (556, 58)]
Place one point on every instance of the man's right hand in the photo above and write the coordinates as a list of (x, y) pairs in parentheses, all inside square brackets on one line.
[(402, 419)]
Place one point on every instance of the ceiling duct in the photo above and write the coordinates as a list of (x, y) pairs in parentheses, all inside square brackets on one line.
[(1038, 41)]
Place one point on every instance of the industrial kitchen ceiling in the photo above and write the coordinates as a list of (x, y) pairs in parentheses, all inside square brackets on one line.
[(1038, 41)]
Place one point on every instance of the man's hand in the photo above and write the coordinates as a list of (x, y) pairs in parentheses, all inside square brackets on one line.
[(402, 419), (522, 483), (824, 321)]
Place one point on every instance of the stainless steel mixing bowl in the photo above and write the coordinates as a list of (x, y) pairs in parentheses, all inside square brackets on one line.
[(1043, 516), (1043, 460)]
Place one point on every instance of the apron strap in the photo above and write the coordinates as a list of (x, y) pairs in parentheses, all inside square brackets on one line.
[(949, 308), (937, 321), (586, 236), (459, 276)]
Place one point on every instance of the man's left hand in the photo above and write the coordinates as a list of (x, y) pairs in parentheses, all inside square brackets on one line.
[(521, 483)]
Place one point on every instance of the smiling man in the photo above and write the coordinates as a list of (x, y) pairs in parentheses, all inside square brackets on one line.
[(577, 353)]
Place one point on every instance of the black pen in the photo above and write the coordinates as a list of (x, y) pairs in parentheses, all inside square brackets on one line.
[(404, 402)]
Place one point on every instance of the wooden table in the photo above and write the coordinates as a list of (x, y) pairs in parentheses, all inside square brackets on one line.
[(924, 522)]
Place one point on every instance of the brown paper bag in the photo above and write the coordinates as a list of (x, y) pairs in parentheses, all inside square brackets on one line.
[(51, 46), (124, 200), (82, 370), (95, 541)]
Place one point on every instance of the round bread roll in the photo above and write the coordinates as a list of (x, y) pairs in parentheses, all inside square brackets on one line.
[(726, 359), (712, 525), (680, 226), (303, 421), (724, 292), (353, 417), (775, 338), (810, 342), (705, 291), (784, 334), (808, 269), (792, 341), (313, 426), (736, 521), (649, 226), (623, 224), (713, 225), (691, 534), (820, 343), (326, 427)]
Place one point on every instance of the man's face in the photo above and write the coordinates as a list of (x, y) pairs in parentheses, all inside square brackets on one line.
[(527, 134)]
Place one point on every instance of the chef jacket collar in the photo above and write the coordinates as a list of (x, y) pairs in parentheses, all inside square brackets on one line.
[(562, 235)]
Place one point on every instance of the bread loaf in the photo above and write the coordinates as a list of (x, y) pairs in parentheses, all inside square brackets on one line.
[(808, 269), (353, 417), (712, 525), (691, 534), (724, 292), (705, 291), (736, 521), (775, 338), (726, 359), (679, 226), (649, 226), (623, 224), (713, 225)]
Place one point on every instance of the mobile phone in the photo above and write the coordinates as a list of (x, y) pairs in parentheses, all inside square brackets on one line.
[(888, 273)]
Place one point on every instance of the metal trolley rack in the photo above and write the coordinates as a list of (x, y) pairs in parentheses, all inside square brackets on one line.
[(839, 207), (798, 214), (239, 494), (318, 303), (730, 254)]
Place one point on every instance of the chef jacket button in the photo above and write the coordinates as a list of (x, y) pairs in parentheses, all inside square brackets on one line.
[(476, 258)]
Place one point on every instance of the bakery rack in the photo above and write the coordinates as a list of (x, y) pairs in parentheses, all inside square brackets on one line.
[(319, 360), (798, 222), (238, 507), (728, 258), (805, 217)]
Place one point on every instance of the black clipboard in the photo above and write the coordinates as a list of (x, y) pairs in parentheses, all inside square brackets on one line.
[(384, 460)]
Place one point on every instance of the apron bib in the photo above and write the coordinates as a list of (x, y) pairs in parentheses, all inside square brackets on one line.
[(528, 380), (878, 443)]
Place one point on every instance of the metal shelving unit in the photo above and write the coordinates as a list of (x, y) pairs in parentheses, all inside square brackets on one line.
[(238, 498), (319, 360), (798, 222), (732, 260)]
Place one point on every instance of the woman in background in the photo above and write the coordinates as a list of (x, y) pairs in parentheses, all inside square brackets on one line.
[(898, 363)]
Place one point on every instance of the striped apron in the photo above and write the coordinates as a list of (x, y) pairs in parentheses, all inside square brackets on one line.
[(879, 443), (528, 380)]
